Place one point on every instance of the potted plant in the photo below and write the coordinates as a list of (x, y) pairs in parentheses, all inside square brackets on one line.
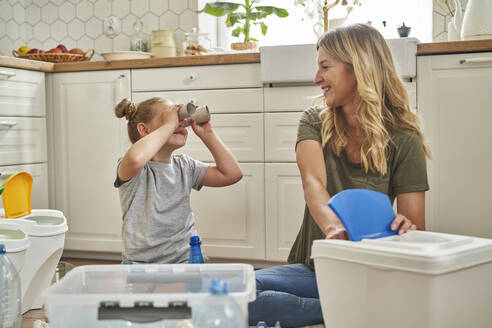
[(241, 17), (320, 8)]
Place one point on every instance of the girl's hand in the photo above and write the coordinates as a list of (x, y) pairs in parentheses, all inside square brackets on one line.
[(201, 130), (403, 223), (170, 115)]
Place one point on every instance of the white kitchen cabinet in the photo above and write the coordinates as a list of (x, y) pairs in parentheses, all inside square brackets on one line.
[(284, 199), (88, 140), (23, 143), (231, 220), (455, 103)]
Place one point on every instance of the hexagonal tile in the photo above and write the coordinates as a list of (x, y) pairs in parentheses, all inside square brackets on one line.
[(57, 2), (85, 10), (158, 7), (35, 44), (103, 44), (19, 14), (18, 43), (28, 32), (150, 23), (102, 9), (26, 3), (12, 2), (50, 44), (85, 43), (74, 1), (76, 29), (6, 46), (193, 4), (49, 13), (68, 42), (139, 8), (40, 3), (121, 43), (58, 30), (12, 30), (442, 37), (2, 27), (188, 20), (94, 27), (41, 31), (168, 21), (120, 8), (5, 10), (127, 25), (67, 12), (33, 14), (179, 38), (178, 6)]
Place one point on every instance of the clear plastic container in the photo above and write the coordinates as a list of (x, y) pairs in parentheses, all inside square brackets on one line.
[(140, 40), (10, 293), (142, 295), (196, 43)]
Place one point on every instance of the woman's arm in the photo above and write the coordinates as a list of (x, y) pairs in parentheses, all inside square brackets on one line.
[(412, 206), (226, 170), (310, 160)]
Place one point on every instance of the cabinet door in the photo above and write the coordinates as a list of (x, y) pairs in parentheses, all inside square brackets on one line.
[(39, 173), (284, 199), (231, 220), (454, 100), (280, 136), (290, 99), (87, 144)]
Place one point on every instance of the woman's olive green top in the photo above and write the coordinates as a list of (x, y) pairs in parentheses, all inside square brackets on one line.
[(406, 173)]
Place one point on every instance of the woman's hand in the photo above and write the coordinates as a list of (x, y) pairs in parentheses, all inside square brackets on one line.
[(402, 223)]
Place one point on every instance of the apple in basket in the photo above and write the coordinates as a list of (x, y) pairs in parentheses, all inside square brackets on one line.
[(54, 51), (77, 51), (35, 51), (62, 48)]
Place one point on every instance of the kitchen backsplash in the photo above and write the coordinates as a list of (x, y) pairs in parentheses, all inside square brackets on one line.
[(441, 18), (79, 23)]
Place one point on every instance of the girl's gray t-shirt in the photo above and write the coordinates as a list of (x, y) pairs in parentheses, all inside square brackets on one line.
[(157, 217)]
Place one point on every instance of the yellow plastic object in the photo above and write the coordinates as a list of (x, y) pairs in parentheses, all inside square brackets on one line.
[(17, 195)]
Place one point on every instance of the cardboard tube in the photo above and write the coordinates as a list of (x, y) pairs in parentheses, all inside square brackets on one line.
[(186, 111), (202, 115)]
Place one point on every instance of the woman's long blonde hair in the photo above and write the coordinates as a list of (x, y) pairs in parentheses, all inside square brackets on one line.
[(383, 101)]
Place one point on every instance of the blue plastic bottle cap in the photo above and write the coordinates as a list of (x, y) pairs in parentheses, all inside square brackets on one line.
[(195, 240), (261, 324), (2, 249), (218, 287)]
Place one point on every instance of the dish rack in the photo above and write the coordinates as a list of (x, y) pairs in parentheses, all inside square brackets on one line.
[(57, 57)]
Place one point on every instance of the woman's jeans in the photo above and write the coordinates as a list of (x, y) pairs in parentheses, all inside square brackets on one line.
[(287, 294)]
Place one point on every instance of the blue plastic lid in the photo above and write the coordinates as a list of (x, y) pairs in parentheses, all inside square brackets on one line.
[(195, 240), (366, 214), (2, 249), (218, 286)]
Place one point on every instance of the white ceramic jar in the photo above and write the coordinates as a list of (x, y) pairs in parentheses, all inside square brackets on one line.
[(477, 22), (163, 44)]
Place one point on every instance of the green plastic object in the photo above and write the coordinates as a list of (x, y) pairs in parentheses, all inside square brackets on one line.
[(1, 189)]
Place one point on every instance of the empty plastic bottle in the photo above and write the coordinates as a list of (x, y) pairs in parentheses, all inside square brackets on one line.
[(219, 309), (195, 250), (10, 293)]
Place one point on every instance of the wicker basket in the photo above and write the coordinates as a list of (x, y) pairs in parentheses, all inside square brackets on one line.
[(244, 45), (57, 57)]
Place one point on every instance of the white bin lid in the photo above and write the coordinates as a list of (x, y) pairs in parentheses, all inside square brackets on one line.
[(41, 223), (12, 236), (416, 251)]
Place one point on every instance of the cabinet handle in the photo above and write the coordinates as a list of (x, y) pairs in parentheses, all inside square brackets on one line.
[(4, 75), (476, 60), (191, 77), (8, 124)]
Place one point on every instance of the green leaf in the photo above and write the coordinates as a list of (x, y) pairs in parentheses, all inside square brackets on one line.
[(280, 12), (237, 31), (233, 18), (219, 8), (264, 28), (253, 39), (256, 15)]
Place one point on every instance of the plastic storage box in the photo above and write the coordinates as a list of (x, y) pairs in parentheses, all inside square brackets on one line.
[(419, 279), (146, 295)]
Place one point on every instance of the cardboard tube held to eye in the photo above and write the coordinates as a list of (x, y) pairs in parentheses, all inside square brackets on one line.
[(202, 115), (186, 111)]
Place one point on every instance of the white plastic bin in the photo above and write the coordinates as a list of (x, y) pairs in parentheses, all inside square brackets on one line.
[(111, 295), (420, 279)]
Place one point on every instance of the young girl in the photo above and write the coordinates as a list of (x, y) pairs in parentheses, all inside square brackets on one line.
[(155, 185)]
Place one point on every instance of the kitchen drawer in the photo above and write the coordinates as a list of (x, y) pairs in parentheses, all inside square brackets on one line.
[(242, 133), (288, 99), (462, 61), (411, 88), (39, 172), (281, 136), (22, 93), (197, 77), (218, 101), (22, 140)]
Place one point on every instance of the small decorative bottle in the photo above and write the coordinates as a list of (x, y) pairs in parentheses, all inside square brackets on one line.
[(195, 250), (140, 40)]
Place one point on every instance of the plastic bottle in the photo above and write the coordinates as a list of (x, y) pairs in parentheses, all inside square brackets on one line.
[(10, 293), (195, 250), (219, 310)]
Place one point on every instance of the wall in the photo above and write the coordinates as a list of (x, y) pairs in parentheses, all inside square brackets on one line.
[(79, 23), (440, 19)]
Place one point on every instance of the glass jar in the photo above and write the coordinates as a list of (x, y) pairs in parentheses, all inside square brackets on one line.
[(196, 43), (140, 40)]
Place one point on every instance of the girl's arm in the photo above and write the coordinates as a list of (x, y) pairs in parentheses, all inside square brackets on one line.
[(411, 206), (226, 170), (310, 160), (142, 151)]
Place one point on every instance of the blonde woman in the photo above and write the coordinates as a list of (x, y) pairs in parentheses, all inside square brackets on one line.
[(364, 136)]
